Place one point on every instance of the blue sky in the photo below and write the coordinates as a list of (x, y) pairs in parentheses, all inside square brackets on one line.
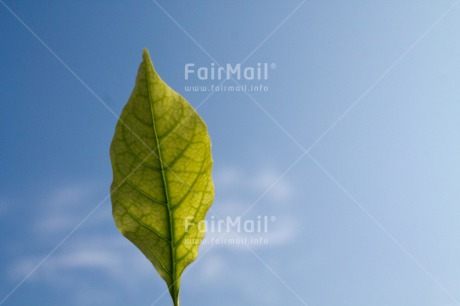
[(354, 149)]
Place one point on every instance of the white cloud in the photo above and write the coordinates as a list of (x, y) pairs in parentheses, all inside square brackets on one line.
[(285, 230), (90, 270), (116, 259), (229, 206), (62, 209), (214, 268), (107, 255), (236, 182), (219, 269), (56, 215), (55, 221), (241, 189), (279, 188), (68, 195), (89, 258), (228, 176)]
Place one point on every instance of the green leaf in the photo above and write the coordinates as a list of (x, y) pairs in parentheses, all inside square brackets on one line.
[(162, 185)]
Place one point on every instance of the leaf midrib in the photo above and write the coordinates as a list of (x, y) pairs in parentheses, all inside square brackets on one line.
[(165, 185)]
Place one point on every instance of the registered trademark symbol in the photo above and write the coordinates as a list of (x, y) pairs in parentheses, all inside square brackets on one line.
[(273, 218), (273, 66)]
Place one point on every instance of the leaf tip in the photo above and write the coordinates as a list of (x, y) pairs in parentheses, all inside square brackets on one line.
[(145, 54), (146, 60)]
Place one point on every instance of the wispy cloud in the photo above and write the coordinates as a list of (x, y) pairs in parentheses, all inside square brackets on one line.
[(215, 268), (237, 189), (280, 191), (237, 181), (109, 256), (92, 270), (102, 255), (227, 176), (61, 209), (219, 270)]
